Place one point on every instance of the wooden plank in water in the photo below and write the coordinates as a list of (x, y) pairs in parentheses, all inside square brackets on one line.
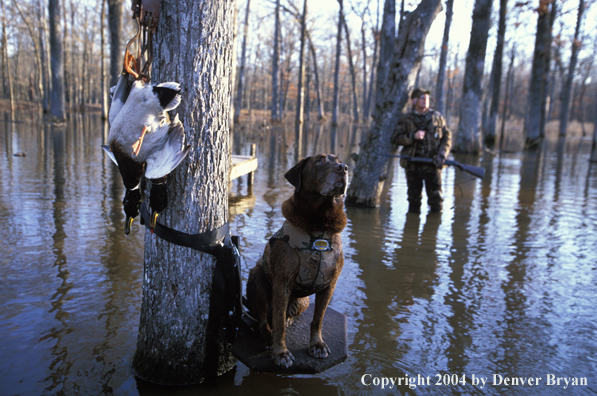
[(241, 165), (251, 349)]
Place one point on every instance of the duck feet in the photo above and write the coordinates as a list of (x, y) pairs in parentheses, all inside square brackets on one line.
[(131, 203), (158, 198)]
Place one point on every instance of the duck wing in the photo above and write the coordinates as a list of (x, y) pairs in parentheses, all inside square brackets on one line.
[(163, 161), (168, 94), (110, 153)]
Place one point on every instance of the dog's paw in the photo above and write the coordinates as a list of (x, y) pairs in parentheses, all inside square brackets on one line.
[(284, 358), (320, 350)]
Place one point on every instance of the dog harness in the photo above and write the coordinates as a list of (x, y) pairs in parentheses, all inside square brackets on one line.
[(317, 255)]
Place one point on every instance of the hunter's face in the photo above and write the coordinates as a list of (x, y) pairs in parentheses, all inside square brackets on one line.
[(422, 102)]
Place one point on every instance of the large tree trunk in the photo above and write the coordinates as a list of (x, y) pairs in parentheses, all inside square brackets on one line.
[(536, 107), (567, 89), (496, 74), (241, 71), (386, 48), (57, 93), (171, 346), (335, 100), (443, 58), (370, 170), (115, 12), (276, 108), (468, 138)]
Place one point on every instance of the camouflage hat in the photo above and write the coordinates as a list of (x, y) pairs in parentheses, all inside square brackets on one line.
[(418, 92)]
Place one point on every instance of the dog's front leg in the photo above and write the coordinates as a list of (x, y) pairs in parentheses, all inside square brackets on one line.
[(317, 347), (281, 295)]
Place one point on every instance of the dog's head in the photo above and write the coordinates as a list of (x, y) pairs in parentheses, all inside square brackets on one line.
[(321, 174)]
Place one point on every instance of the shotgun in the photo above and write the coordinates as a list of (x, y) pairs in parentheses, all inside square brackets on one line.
[(473, 170)]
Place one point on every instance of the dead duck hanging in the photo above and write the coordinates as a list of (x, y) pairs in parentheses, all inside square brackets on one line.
[(144, 142)]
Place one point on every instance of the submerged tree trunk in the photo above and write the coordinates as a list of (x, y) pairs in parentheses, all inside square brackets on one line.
[(496, 73), (370, 170), (115, 11), (243, 61), (171, 346), (56, 56), (443, 58), (567, 88), (468, 138), (505, 114), (276, 108), (535, 115)]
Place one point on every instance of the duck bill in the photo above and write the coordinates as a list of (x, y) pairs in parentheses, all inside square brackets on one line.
[(128, 224)]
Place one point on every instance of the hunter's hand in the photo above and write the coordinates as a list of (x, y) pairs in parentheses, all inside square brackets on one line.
[(419, 135), (439, 160)]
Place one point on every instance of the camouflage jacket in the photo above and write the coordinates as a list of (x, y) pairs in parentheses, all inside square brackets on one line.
[(438, 138)]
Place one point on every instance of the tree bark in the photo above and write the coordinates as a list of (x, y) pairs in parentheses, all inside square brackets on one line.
[(243, 61), (594, 145), (177, 282), (536, 107), (505, 113), (497, 75), (386, 48), (468, 138), (443, 58), (567, 89), (56, 56), (370, 170), (276, 110), (115, 12)]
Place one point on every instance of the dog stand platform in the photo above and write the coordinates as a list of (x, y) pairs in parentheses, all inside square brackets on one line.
[(251, 349)]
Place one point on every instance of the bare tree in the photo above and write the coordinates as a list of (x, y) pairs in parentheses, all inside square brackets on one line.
[(171, 346), (300, 105), (468, 138), (353, 74), (567, 89), (536, 107), (243, 61), (57, 93), (370, 170), (594, 144), (275, 104), (104, 91), (496, 74), (443, 58), (337, 64)]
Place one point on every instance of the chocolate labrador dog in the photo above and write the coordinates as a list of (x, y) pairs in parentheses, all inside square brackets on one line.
[(304, 257)]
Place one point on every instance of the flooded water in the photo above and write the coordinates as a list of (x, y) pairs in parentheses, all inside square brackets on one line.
[(499, 287)]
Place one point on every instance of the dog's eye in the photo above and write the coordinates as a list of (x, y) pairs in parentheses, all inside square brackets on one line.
[(319, 162)]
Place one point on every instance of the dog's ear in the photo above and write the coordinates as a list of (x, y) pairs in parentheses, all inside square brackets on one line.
[(294, 174)]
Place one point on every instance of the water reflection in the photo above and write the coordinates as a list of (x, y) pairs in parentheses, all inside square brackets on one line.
[(501, 282)]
